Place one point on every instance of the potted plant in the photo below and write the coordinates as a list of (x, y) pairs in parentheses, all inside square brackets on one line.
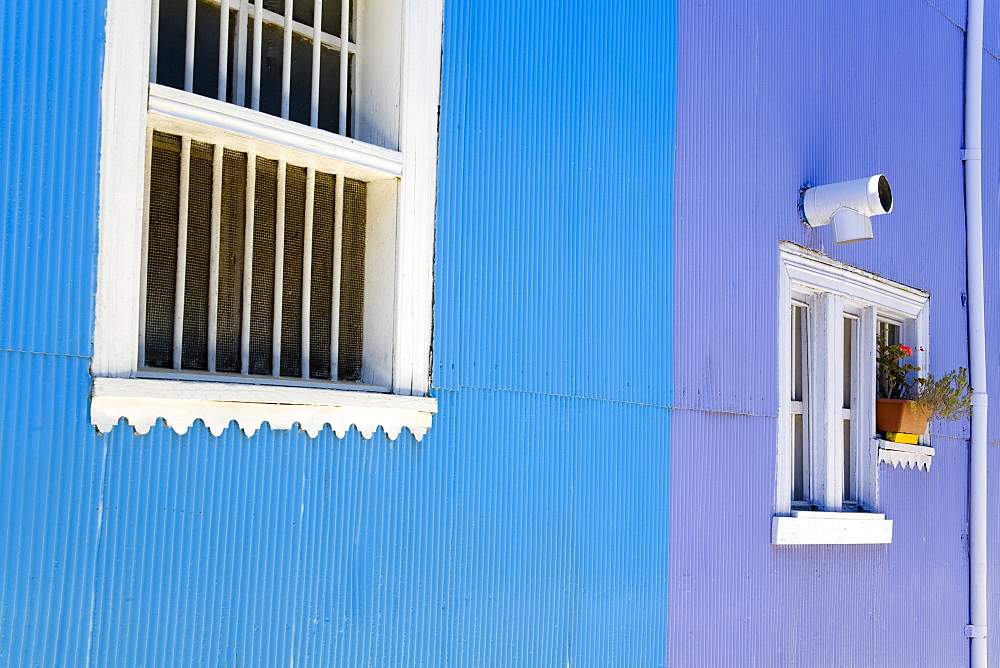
[(906, 402)]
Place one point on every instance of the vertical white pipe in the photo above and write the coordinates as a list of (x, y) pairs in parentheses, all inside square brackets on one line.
[(345, 34), (976, 629), (286, 61), (182, 229), (251, 195), (189, 46), (338, 246), (258, 28), (154, 40), (241, 55), (317, 48), (213, 257), (223, 48), (143, 262), (307, 244), (279, 269)]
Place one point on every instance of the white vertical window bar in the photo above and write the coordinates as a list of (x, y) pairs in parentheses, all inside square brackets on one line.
[(189, 47), (182, 225), (286, 61), (223, 48), (144, 261), (317, 48), (258, 27), (279, 269), (345, 27), (213, 262), (240, 84), (154, 39), (338, 245), (307, 243), (251, 195)]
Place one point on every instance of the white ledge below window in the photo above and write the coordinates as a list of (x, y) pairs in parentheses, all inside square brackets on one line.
[(830, 528), (142, 401), (910, 456)]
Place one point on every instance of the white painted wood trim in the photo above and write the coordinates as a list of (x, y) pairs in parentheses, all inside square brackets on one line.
[(817, 272), (130, 104), (822, 282), (863, 411), (122, 187), (825, 369), (418, 139), (909, 456), (299, 144), (831, 528), (783, 470), (180, 403)]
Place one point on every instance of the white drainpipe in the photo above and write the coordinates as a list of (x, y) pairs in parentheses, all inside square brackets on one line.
[(976, 629)]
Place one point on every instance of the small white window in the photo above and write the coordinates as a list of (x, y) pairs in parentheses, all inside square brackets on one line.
[(827, 458), (266, 232)]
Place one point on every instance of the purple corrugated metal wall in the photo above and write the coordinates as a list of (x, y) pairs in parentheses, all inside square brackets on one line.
[(811, 93), (530, 525)]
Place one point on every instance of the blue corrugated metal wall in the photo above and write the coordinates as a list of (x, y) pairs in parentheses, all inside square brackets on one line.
[(530, 525)]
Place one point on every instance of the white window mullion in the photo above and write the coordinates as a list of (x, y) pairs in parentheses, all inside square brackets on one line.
[(144, 260), (182, 230), (154, 40), (279, 269), (826, 435), (189, 46), (286, 61), (223, 48), (864, 448), (338, 245), (307, 244), (240, 85), (251, 196), (258, 29), (345, 27), (316, 52), (213, 262)]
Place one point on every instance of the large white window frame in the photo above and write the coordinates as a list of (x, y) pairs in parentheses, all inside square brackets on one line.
[(831, 291), (394, 149)]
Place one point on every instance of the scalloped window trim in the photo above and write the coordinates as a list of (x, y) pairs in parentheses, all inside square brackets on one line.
[(909, 456), (143, 401)]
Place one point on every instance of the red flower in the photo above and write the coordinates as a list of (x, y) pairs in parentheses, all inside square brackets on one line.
[(906, 349)]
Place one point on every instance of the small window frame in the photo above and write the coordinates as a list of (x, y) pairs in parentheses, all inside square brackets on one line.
[(832, 291)]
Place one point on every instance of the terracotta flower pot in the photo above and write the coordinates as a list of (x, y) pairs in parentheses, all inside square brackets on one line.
[(900, 415)]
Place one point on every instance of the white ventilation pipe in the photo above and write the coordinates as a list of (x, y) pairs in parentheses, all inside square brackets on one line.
[(976, 629), (849, 205)]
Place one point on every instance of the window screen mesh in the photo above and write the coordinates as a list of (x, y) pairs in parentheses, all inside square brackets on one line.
[(262, 294), (169, 53), (291, 313), (232, 237), (320, 322), (352, 281), (252, 299), (194, 352), (161, 247)]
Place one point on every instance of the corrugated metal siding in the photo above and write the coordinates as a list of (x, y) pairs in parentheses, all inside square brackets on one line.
[(736, 600), (528, 528), (554, 260), (772, 96), (50, 65)]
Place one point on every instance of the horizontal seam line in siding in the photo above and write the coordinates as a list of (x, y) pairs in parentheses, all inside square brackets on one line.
[(39, 352), (550, 394)]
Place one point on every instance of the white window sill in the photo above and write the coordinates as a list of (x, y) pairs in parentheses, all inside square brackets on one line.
[(830, 528), (910, 456), (142, 401)]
